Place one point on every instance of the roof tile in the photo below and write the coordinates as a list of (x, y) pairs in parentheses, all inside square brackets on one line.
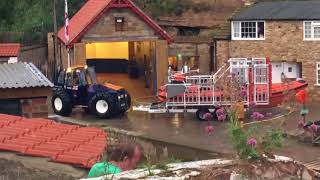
[(281, 10), (9, 49), (71, 144)]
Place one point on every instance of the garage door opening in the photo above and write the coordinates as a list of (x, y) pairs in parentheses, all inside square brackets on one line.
[(128, 64), (108, 57)]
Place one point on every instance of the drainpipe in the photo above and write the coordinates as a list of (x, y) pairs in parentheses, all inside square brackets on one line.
[(213, 53), (211, 58)]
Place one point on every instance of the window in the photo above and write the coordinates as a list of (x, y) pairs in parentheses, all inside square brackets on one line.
[(69, 80), (312, 30), (318, 74), (188, 31), (173, 63), (248, 30), (119, 23), (61, 77), (192, 62)]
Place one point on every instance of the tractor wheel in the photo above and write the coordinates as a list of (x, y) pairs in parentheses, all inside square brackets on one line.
[(61, 103), (101, 105), (200, 114)]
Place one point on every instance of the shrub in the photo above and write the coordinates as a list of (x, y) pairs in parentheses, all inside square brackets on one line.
[(240, 138), (246, 144)]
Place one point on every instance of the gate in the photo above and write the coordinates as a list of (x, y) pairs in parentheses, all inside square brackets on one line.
[(239, 68), (261, 84)]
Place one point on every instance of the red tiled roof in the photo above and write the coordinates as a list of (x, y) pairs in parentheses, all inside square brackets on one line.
[(91, 12), (9, 49), (80, 146)]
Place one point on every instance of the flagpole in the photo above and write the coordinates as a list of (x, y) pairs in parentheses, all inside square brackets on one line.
[(69, 63), (66, 31)]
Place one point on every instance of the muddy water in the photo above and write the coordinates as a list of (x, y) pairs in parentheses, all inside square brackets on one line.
[(183, 136), (180, 136)]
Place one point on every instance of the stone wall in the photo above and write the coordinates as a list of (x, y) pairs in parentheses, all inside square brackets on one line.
[(284, 42), (222, 53), (202, 50), (34, 108), (134, 27)]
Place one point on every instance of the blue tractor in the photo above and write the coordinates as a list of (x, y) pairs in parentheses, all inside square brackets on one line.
[(78, 87)]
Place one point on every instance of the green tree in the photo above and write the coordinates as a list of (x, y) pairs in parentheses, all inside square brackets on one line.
[(34, 15)]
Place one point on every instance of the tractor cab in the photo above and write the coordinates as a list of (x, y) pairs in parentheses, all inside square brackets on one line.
[(77, 86), (77, 80)]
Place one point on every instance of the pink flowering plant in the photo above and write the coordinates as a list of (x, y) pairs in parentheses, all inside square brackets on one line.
[(257, 116), (221, 116), (250, 144), (209, 129)]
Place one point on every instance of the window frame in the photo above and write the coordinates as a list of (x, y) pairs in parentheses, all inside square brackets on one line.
[(248, 39), (317, 73), (312, 31)]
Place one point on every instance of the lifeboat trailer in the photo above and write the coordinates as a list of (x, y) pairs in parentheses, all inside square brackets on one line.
[(203, 93)]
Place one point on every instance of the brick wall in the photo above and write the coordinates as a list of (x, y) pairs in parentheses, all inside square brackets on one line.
[(192, 49), (34, 108), (284, 42), (133, 26), (222, 53)]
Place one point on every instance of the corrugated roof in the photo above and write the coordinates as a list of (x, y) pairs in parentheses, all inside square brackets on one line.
[(9, 49), (282, 10), (22, 75), (93, 10)]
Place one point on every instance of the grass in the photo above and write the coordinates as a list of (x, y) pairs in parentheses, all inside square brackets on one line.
[(161, 165)]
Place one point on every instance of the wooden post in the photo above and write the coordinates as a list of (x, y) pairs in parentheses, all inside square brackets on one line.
[(161, 62), (55, 46)]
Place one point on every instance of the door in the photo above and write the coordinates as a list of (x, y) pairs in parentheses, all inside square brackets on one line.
[(276, 72), (291, 70), (161, 63)]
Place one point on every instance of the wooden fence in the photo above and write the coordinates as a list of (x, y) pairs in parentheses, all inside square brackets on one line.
[(38, 55)]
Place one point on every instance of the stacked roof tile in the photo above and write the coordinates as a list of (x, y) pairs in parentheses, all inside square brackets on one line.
[(9, 49), (71, 144)]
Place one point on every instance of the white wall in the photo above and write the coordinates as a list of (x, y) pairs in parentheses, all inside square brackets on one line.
[(290, 69), (13, 60)]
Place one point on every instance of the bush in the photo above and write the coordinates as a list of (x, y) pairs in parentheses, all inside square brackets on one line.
[(239, 138), (273, 139), (246, 145)]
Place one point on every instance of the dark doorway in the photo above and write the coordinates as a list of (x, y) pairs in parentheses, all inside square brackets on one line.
[(10, 106)]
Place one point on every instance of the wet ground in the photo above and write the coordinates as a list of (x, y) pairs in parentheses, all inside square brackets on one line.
[(136, 87), (186, 130), (181, 129)]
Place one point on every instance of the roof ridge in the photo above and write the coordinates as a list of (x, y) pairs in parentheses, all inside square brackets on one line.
[(94, 16)]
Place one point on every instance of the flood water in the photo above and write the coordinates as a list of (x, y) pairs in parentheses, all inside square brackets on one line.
[(184, 137)]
